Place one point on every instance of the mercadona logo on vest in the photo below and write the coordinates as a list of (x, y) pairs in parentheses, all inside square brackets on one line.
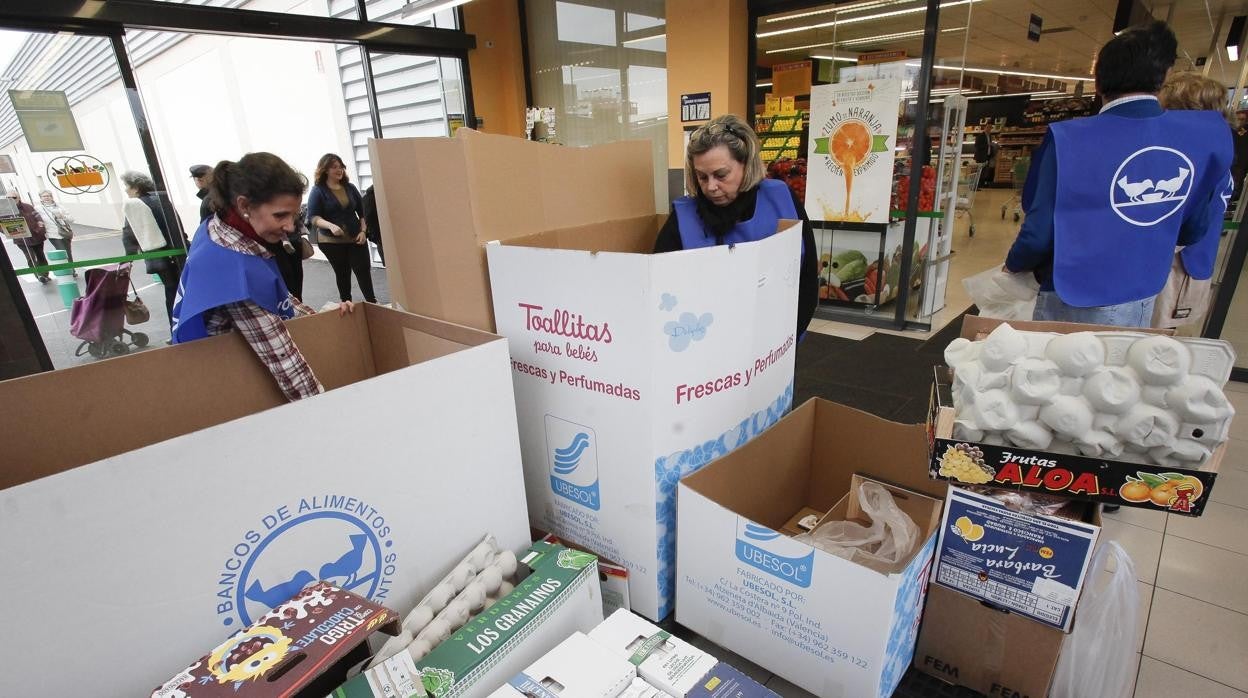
[(774, 553), (333, 538), (1151, 185)]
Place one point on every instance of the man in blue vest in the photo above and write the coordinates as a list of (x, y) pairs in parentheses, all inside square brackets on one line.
[(1110, 196)]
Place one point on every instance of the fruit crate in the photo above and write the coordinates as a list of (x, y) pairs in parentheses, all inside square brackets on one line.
[(782, 136)]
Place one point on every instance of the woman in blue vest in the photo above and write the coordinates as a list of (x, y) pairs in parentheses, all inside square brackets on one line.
[(231, 281), (1185, 299), (732, 201), (1109, 196)]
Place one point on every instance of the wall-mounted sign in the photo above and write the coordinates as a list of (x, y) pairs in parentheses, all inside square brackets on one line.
[(853, 129), (791, 79), (881, 57), (46, 120), (78, 174), (1033, 28), (695, 107)]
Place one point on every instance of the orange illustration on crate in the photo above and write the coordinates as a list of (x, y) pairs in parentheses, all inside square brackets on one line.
[(1174, 491)]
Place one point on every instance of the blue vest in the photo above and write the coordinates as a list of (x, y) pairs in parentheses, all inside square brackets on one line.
[(1125, 186), (1198, 259), (774, 203), (215, 276)]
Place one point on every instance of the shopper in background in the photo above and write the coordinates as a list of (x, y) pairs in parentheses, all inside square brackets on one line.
[(58, 224), (32, 246), (201, 174), (231, 280), (374, 225), (1185, 298), (149, 227), (733, 202), (336, 210), (985, 153), (1109, 196)]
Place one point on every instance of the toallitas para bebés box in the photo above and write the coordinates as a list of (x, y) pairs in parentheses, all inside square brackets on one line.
[(634, 369)]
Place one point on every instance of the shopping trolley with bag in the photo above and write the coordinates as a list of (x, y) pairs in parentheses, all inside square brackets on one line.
[(99, 317)]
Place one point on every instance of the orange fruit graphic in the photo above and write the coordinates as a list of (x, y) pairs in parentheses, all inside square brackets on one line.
[(850, 144), (1136, 491)]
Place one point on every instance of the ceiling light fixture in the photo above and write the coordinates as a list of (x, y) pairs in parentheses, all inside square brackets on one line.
[(864, 40), (842, 59), (840, 9), (416, 11), (998, 71), (644, 38), (1235, 38), (762, 84), (867, 18)]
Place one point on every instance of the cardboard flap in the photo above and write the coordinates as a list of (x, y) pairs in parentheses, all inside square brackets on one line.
[(518, 187), (975, 327), (87, 413), (628, 235)]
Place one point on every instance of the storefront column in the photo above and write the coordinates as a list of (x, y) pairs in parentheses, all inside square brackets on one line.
[(497, 65), (707, 47)]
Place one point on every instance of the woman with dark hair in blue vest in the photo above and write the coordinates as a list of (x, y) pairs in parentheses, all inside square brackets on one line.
[(1109, 196), (231, 281), (732, 201)]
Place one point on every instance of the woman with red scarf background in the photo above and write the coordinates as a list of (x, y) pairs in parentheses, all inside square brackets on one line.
[(232, 282)]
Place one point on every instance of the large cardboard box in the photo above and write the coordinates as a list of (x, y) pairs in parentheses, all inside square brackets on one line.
[(153, 504), (1094, 479), (634, 369), (997, 653), (831, 626), (440, 200)]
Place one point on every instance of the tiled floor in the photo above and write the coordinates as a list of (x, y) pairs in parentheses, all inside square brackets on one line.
[(1192, 574)]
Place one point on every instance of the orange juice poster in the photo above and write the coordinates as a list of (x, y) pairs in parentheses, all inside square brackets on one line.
[(853, 133)]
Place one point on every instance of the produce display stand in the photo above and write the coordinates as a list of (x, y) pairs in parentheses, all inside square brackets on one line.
[(782, 135)]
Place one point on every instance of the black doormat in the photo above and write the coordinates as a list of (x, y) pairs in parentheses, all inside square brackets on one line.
[(886, 375)]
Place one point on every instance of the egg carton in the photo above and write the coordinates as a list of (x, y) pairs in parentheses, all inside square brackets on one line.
[(1131, 396), (483, 577)]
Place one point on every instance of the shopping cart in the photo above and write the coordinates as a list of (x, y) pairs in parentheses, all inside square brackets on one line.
[(968, 184), (1019, 169)]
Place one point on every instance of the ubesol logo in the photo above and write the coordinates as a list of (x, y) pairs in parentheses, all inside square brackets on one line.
[(334, 538), (774, 553), (573, 452)]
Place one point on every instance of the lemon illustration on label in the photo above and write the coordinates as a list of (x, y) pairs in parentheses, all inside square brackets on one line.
[(969, 530), (1046, 552)]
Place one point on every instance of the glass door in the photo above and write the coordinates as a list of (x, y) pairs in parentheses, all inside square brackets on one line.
[(73, 167)]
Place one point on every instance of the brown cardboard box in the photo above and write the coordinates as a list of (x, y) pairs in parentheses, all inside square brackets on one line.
[(1094, 479), (794, 527), (440, 200), (968, 643)]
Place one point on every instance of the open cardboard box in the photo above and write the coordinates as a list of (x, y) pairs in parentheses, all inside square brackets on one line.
[(633, 369), (1019, 468), (166, 499), (441, 200), (831, 626)]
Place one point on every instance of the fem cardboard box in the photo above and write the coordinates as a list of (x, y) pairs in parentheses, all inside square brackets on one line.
[(634, 369), (832, 626), (153, 504)]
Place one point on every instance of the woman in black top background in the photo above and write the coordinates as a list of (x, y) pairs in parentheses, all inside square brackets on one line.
[(336, 212)]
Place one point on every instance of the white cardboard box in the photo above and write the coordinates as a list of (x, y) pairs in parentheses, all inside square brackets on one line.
[(665, 661), (832, 626), (184, 494), (632, 370), (577, 668)]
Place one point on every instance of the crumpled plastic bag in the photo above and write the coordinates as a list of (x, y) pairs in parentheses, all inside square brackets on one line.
[(1098, 656), (889, 540), (999, 294)]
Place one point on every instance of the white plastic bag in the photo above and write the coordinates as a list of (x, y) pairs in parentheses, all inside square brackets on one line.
[(889, 539), (1098, 657), (1002, 295)]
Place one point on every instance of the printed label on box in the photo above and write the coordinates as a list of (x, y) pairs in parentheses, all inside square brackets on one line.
[(1032, 565)]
